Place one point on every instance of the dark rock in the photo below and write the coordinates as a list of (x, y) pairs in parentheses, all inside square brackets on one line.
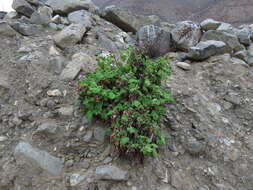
[(154, 41), (2, 14), (244, 38), (108, 172), (99, 134), (206, 49), (23, 7)]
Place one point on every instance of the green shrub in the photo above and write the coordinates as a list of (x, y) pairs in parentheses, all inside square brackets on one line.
[(127, 93)]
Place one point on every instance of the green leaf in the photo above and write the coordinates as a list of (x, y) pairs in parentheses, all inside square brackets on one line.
[(124, 140)]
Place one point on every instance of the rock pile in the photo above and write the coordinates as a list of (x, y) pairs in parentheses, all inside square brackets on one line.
[(46, 142)]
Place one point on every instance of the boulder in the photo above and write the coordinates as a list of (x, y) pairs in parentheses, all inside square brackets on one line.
[(154, 41), (66, 6), (70, 35), (108, 172), (250, 61), (124, 19), (244, 37), (230, 39), (81, 17), (206, 49), (43, 16), (209, 24), (38, 158), (6, 29), (186, 34), (225, 27), (23, 7)]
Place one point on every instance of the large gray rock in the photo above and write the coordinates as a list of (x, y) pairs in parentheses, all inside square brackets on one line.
[(67, 6), (23, 7), (124, 19), (80, 61), (70, 35), (43, 16), (26, 29), (108, 172), (154, 41), (230, 39), (209, 24), (186, 34), (39, 158), (244, 37), (206, 49), (81, 17), (6, 29)]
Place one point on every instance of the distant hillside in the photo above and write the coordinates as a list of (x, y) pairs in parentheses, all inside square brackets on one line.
[(232, 11)]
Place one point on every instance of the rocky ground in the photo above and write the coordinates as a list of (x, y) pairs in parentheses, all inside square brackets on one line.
[(46, 142)]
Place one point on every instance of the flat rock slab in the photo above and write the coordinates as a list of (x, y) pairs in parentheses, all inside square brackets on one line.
[(109, 172), (39, 158), (81, 17), (67, 6), (206, 49), (125, 20), (6, 29)]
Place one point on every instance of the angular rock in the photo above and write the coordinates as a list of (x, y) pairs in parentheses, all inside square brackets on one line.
[(70, 35), (186, 34), (108, 172), (39, 158), (6, 29), (67, 6), (225, 27), (230, 39), (206, 49), (244, 37), (81, 17), (47, 129), (124, 19), (66, 111), (154, 41), (43, 16), (80, 61), (209, 24), (23, 7), (2, 14), (243, 55), (26, 29)]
